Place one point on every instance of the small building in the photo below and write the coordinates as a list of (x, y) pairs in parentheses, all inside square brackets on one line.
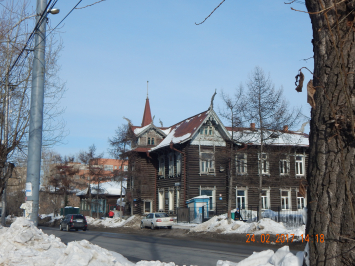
[(101, 197)]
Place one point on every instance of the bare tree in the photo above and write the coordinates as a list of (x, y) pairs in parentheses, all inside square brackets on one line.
[(270, 111), (94, 174), (16, 22), (233, 108), (63, 178), (121, 143)]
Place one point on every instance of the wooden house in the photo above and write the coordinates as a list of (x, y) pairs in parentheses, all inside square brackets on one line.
[(192, 158)]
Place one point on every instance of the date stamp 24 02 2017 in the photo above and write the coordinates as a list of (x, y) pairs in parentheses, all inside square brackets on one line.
[(284, 238)]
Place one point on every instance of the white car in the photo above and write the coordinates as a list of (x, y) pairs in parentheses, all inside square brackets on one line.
[(156, 220)]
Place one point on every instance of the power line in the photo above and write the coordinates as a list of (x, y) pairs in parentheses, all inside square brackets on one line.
[(32, 35), (30, 38)]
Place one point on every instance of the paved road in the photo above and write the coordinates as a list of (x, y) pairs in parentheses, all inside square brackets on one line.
[(182, 252)]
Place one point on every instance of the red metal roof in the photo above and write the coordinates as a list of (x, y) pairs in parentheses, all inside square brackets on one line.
[(147, 116), (189, 125), (141, 149)]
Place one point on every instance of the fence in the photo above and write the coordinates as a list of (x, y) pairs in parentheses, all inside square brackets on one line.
[(290, 219)]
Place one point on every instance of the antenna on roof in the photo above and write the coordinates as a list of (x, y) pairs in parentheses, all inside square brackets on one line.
[(211, 106), (161, 123), (147, 88)]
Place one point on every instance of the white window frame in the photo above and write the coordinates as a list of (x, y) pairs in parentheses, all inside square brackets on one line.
[(161, 166), (212, 198), (286, 199), (300, 198), (241, 164), (266, 200), (171, 199), (125, 168), (178, 164), (151, 206), (282, 164), (161, 200), (207, 130), (263, 160), (207, 166), (177, 198), (171, 164), (300, 166), (245, 190)]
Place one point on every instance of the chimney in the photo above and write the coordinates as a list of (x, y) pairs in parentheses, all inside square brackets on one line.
[(285, 128), (252, 126)]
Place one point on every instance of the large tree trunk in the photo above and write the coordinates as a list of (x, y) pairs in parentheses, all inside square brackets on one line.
[(331, 171)]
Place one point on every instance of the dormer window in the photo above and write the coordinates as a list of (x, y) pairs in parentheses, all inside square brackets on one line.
[(152, 141), (148, 141), (207, 130)]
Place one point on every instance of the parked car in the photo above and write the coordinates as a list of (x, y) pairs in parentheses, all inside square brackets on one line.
[(73, 221), (156, 220)]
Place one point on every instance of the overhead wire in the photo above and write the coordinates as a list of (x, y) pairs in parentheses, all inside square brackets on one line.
[(40, 21), (30, 38)]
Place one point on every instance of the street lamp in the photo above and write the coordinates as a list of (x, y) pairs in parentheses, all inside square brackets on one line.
[(53, 11)]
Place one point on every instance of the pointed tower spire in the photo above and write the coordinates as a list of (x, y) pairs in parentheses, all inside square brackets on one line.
[(147, 116), (147, 89)]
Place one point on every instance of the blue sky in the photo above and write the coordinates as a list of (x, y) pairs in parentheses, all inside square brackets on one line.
[(111, 49)]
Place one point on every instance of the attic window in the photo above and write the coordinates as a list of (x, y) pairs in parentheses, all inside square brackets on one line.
[(148, 141), (152, 141), (207, 130)]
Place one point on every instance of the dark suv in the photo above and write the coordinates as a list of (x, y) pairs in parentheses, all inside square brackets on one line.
[(73, 221)]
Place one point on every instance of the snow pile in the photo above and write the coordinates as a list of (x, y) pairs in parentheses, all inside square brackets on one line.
[(282, 257), (53, 217), (108, 222), (220, 224), (10, 219), (25, 244)]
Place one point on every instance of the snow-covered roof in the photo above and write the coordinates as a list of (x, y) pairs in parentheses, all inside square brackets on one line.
[(182, 131), (271, 137), (106, 188), (200, 197), (171, 138), (138, 130)]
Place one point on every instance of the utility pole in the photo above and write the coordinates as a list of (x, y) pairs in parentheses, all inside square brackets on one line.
[(36, 118), (5, 142)]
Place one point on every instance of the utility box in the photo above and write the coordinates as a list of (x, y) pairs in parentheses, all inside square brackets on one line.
[(69, 210), (199, 204)]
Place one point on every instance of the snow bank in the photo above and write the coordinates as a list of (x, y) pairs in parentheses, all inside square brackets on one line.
[(53, 217), (25, 244), (220, 224), (108, 222), (282, 257)]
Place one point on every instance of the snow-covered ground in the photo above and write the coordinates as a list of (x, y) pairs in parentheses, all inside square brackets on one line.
[(25, 244), (108, 222), (220, 224)]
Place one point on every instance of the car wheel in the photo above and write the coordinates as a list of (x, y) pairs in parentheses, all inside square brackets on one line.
[(67, 228), (84, 229), (169, 227), (152, 226), (142, 226), (60, 227)]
